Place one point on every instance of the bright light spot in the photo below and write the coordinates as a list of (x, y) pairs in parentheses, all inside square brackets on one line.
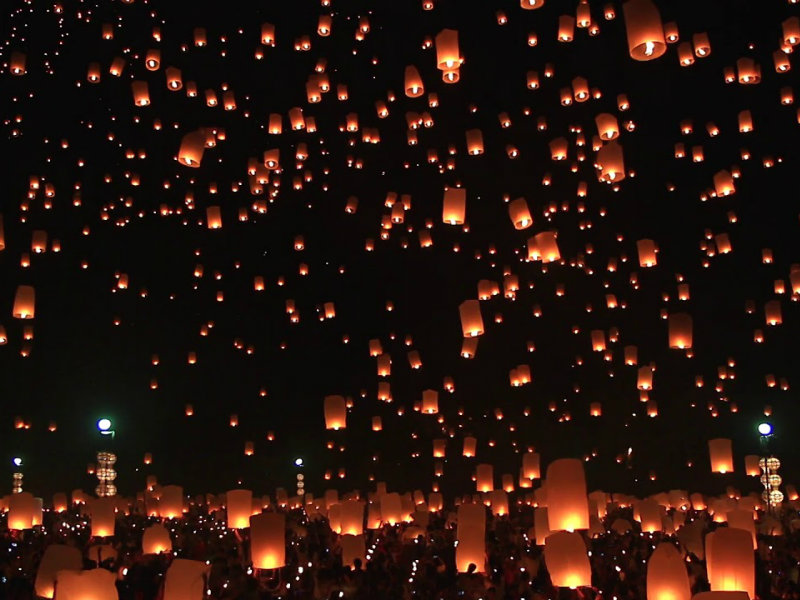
[(104, 424)]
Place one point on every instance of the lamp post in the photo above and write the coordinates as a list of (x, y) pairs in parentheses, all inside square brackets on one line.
[(105, 463), (16, 476), (301, 484), (769, 465)]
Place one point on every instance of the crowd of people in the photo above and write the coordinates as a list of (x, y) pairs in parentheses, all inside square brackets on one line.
[(402, 562)]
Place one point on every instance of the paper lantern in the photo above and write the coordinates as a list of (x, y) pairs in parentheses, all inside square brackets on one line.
[(474, 142), (566, 495), (723, 183), (543, 246), (268, 540), (721, 455), (454, 206), (94, 584), (607, 126), (447, 54), (413, 82), (391, 508), (171, 502), (353, 548), (566, 559), (610, 163), (730, 561), (644, 380), (239, 508), (24, 302), (60, 503), (193, 145), (471, 320), (644, 29), (484, 477), (352, 517), (650, 516), (471, 536), (213, 217), (680, 331), (470, 446), (772, 312), (530, 465), (156, 540), (103, 517), (647, 253), (751, 466), (335, 412), (520, 214), (667, 578), (185, 580), (56, 558), (20, 511), (17, 63)]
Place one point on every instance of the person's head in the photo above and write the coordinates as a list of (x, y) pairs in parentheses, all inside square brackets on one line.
[(472, 568), (357, 564)]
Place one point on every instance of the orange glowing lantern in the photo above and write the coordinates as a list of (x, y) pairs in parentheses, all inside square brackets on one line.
[(566, 495), (566, 559)]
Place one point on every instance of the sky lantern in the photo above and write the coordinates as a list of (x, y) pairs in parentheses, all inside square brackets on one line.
[(17, 63), (644, 380), (474, 142), (530, 465), (56, 558), (751, 466), (24, 302), (20, 511), (94, 584), (680, 331), (185, 579), (543, 246), (192, 147), (748, 71), (721, 455), (141, 93), (772, 312), (647, 253), (470, 446), (743, 519), (566, 495), (531, 4), (214, 217), (335, 412), (391, 506), (239, 507), (448, 57), (454, 206), (520, 214), (730, 561), (471, 320), (607, 126), (471, 536), (566, 559), (268, 540), (352, 517), (650, 516), (484, 477), (644, 29), (413, 82), (667, 578), (171, 502), (723, 183), (156, 540), (430, 402), (103, 517), (610, 164)]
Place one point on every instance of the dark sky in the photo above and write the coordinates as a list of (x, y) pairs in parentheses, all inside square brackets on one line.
[(120, 207)]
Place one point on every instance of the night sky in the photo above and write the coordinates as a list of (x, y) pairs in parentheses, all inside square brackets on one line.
[(100, 176)]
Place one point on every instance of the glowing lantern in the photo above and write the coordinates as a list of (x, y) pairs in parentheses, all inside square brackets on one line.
[(644, 29), (566, 559), (566, 495), (471, 536), (680, 331), (102, 516), (541, 525), (239, 508), (647, 253), (56, 558), (20, 511), (667, 578), (520, 214), (748, 71), (484, 477), (721, 455), (607, 126), (566, 28), (24, 302), (156, 540), (610, 163), (454, 206), (268, 540), (141, 93), (772, 312), (430, 402), (644, 379), (191, 150), (94, 584), (213, 217), (474, 142), (186, 579), (17, 63), (335, 412), (413, 82), (745, 520), (751, 466), (723, 183), (730, 561), (471, 320), (170, 503), (447, 54), (352, 517), (543, 246), (470, 446)]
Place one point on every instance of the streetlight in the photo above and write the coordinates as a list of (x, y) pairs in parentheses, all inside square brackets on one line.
[(769, 466), (301, 484), (105, 462), (16, 476)]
